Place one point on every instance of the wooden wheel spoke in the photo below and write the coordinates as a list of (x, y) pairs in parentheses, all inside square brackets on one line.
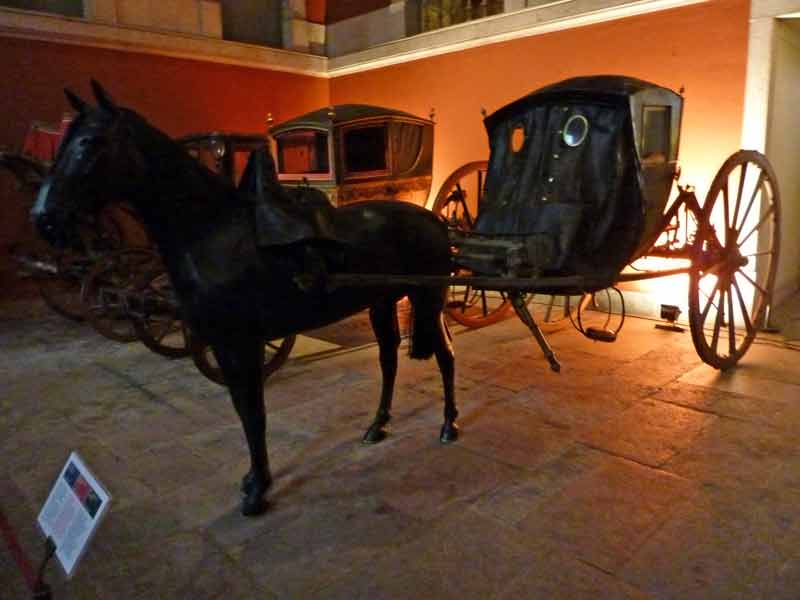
[(754, 284), (763, 253), (758, 225), (748, 325), (759, 184), (731, 326), (718, 321), (739, 194), (756, 190), (726, 212), (710, 302)]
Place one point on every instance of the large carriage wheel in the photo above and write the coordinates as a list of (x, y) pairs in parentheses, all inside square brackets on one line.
[(109, 289), (458, 202), (552, 313), (62, 291), (735, 258), (276, 352), (156, 316)]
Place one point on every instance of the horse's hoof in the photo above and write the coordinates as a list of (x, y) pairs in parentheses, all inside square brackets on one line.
[(375, 434), (449, 433), (254, 505), (249, 483)]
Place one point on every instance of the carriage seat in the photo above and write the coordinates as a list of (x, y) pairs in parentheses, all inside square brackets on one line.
[(285, 216)]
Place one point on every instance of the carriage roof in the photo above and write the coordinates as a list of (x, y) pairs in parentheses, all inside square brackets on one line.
[(357, 152), (618, 90), (341, 114)]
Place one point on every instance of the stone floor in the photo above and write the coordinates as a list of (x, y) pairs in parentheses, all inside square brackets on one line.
[(637, 472)]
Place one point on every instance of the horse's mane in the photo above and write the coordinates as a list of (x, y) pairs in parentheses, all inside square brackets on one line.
[(160, 147)]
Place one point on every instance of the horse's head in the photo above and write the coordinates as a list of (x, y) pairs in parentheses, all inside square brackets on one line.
[(94, 164)]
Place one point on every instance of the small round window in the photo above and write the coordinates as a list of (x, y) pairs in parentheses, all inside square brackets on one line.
[(517, 138), (575, 130)]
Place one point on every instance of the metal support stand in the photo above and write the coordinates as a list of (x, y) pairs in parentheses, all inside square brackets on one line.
[(767, 326), (521, 308), (41, 591)]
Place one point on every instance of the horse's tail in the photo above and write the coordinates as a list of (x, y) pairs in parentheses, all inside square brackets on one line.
[(426, 322)]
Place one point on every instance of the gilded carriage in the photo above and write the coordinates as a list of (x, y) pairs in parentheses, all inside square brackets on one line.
[(356, 152)]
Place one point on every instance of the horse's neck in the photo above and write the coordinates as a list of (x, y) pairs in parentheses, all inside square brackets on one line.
[(180, 201)]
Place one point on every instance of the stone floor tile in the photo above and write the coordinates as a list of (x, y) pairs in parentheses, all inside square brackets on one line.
[(604, 516), (460, 557), (737, 456), (187, 565), (776, 411), (563, 577), (313, 543), (739, 381), (508, 433), (524, 495), (649, 432), (716, 546)]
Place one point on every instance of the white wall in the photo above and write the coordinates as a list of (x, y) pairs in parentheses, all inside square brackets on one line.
[(783, 148)]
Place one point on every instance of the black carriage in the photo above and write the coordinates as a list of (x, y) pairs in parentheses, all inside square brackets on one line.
[(357, 152), (578, 186)]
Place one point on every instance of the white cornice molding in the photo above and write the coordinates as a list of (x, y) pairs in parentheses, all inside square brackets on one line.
[(554, 16), (65, 30)]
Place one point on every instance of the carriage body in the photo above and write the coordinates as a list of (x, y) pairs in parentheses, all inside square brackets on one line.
[(580, 173), (356, 152), (222, 152)]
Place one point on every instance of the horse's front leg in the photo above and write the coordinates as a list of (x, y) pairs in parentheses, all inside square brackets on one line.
[(242, 364), (383, 317)]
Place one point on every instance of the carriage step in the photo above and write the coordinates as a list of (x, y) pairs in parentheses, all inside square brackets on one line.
[(601, 335)]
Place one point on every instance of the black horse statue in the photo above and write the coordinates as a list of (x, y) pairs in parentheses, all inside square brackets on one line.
[(236, 289)]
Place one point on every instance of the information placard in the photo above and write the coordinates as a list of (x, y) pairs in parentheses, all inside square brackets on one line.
[(74, 509)]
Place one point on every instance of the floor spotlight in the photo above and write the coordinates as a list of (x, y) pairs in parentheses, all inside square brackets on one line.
[(670, 313)]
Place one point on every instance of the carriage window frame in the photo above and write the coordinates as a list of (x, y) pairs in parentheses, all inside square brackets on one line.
[(347, 172), (564, 130), (309, 175), (666, 134)]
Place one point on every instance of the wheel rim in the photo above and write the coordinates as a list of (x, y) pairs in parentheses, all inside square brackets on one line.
[(62, 292), (735, 259), (552, 313), (458, 202), (276, 352), (156, 319), (107, 289)]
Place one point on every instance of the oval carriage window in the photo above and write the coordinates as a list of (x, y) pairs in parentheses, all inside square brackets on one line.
[(575, 130), (517, 138)]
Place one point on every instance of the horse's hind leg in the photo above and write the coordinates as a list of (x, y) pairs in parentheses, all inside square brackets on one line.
[(242, 362), (383, 317), (446, 361), (431, 336)]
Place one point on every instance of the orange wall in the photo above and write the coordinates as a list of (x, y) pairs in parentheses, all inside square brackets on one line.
[(178, 96), (702, 47)]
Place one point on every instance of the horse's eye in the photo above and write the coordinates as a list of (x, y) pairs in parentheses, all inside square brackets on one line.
[(88, 142)]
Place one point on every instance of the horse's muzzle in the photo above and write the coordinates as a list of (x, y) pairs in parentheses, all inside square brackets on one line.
[(49, 221)]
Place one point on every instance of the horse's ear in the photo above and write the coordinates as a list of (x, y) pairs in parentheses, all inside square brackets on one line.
[(75, 101), (104, 99)]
